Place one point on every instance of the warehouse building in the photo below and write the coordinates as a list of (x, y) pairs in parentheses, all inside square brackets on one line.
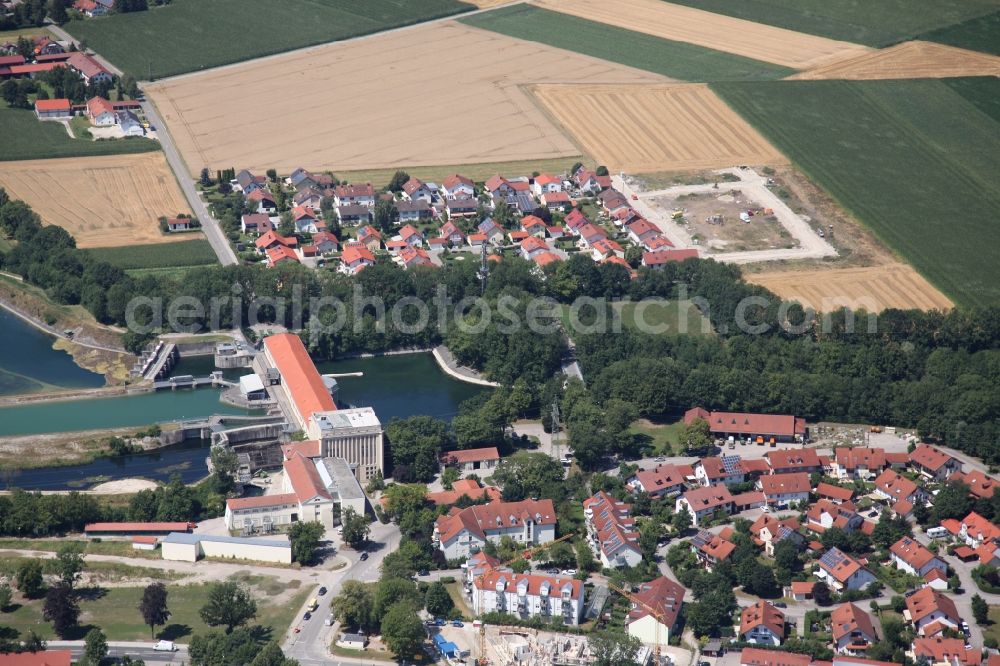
[(183, 547)]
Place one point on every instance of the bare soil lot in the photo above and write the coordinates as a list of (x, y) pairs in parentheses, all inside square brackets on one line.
[(874, 288), (656, 127), (722, 33), (437, 94), (910, 60), (107, 201), (715, 221)]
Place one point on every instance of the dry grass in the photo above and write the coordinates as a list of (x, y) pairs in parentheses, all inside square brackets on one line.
[(107, 201), (656, 127), (441, 94), (874, 288), (910, 60), (715, 31)]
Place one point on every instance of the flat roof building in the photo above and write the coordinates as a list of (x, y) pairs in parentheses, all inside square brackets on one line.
[(192, 547)]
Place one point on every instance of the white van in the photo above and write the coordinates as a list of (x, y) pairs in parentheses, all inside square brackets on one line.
[(165, 646), (937, 532)]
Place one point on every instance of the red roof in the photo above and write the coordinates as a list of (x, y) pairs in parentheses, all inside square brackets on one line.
[(454, 180), (535, 584), (279, 253), (834, 492), (763, 613), (273, 238), (897, 487), (789, 460), (145, 539), (261, 501), (714, 545), (843, 566), (495, 515), (61, 104), (706, 498), (929, 457), (852, 458), (926, 600), (803, 587), (757, 657), (463, 456), (661, 257), (33, 69), (911, 552), (784, 484), (467, 487), (980, 485), (357, 253), (299, 375), (138, 527), (304, 477), (946, 650), (85, 64), (663, 596), (781, 425), (7, 61), (46, 658), (849, 618), (662, 477)]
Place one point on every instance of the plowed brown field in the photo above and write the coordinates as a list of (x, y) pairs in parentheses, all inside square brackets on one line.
[(656, 128), (715, 31), (910, 60), (874, 288), (102, 201), (444, 93)]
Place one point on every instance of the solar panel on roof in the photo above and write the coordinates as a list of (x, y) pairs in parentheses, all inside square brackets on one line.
[(731, 464), (832, 558), (701, 538)]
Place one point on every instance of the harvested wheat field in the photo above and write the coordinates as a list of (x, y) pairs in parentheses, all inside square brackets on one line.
[(437, 94), (656, 127), (874, 288), (102, 201), (715, 31), (487, 4), (909, 60)]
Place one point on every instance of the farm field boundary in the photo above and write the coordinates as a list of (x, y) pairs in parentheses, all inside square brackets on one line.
[(643, 49), (183, 253), (164, 42), (24, 137), (881, 23), (983, 93), (396, 119), (114, 200), (874, 288), (656, 128), (978, 34), (910, 60), (934, 217), (757, 41)]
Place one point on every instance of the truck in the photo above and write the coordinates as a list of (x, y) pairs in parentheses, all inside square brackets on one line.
[(165, 646)]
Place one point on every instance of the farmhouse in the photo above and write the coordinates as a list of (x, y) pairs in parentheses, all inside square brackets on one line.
[(852, 630), (934, 463), (762, 624), (653, 620), (842, 572), (777, 427), (468, 461), (611, 531), (931, 611), (89, 69), (53, 109), (912, 557), (464, 531), (101, 112)]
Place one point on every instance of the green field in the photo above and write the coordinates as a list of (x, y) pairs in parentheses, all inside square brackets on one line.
[(979, 34), (915, 161), (677, 60), (190, 35), (23, 137), (661, 438), (982, 92), (672, 316), (871, 22), (195, 252)]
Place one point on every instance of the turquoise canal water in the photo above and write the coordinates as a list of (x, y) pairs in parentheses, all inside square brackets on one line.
[(28, 364)]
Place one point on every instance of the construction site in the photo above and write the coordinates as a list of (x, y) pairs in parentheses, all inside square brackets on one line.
[(529, 647)]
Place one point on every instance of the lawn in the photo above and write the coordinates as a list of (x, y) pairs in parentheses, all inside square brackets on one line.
[(191, 35), (993, 629), (865, 22), (194, 252), (665, 316), (678, 60), (915, 161), (115, 611), (23, 137), (92, 547), (663, 438), (978, 34)]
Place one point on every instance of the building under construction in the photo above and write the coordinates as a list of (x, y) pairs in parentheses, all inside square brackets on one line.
[(527, 647)]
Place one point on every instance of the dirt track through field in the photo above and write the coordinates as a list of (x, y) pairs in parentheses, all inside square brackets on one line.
[(438, 94), (910, 60), (875, 288), (715, 31), (656, 127), (105, 201)]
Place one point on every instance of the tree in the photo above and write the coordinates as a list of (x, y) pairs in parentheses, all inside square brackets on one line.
[(402, 631), (682, 520), (153, 606), (615, 649), (57, 11), (218, 649), (95, 648), (713, 611), (353, 607), (356, 527), (697, 435), (271, 655), (649, 538), (560, 554), (449, 476), (385, 215), (69, 564), (6, 594), (305, 537), (585, 557), (602, 171), (229, 605), (34, 643), (786, 555), (398, 180), (29, 578), (821, 594), (61, 608), (526, 475), (224, 461), (391, 592), (438, 602), (417, 443), (980, 610), (952, 501)]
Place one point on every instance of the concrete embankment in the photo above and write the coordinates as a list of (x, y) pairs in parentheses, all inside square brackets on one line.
[(78, 394), (450, 366)]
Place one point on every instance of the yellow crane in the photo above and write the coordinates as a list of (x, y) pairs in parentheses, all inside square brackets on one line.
[(656, 613), (524, 555)]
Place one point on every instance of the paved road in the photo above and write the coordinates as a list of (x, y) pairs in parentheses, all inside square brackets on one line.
[(63, 36), (116, 649)]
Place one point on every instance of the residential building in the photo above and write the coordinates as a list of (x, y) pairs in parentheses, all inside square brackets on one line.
[(719, 470), (931, 612), (852, 630), (781, 490), (256, 223), (758, 657), (612, 200), (469, 488), (762, 624), (180, 224), (529, 595), (703, 502), (901, 493), (664, 479), (88, 68), (824, 514), (545, 183), (272, 239), (414, 211), (711, 549), (309, 198), (801, 590), (100, 112), (494, 232), (641, 231), (355, 258), (469, 461), (306, 220), (653, 618), (973, 530), (354, 214), (934, 463), (786, 461), (912, 557), (533, 246), (417, 190), (325, 242), (533, 225), (836, 494), (589, 181), (556, 201), (411, 257), (741, 425), (450, 232), (769, 531), (611, 531), (370, 237), (263, 200), (980, 485), (456, 185), (942, 651), (606, 249), (657, 260), (842, 572), (354, 195), (462, 532), (858, 463)]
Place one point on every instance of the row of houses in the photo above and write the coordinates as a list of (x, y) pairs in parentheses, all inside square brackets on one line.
[(98, 110), (51, 55), (937, 651)]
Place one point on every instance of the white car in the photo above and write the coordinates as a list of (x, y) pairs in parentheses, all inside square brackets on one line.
[(165, 646), (569, 572)]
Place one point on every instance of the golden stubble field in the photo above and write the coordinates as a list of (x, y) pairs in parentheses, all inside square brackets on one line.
[(715, 31), (648, 128), (106, 201), (909, 60), (874, 288), (444, 93)]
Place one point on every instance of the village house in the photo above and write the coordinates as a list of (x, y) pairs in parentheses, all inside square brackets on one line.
[(711, 549), (494, 232), (545, 183), (543, 259), (370, 237), (656, 243), (702, 503), (354, 195), (980, 485), (181, 224), (768, 531), (606, 248), (263, 201), (641, 230), (308, 198), (325, 242), (533, 226), (411, 236), (53, 109), (555, 201), (464, 531), (271, 239), (533, 246), (973, 530), (931, 612), (450, 232), (461, 207), (835, 494), (301, 179), (417, 190), (940, 651), (762, 624), (589, 181), (529, 595), (469, 461), (414, 211), (657, 260), (786, 461), (842, 572), (719, 470), (664, 479), (457, 186), (410, 257), (476, 240), (912, 557), (901, 493), (781, 490), (280, 254), (857, 463), (256, 223), (574, 221), (801, 590), (469, 488), (306, 220), (92, 8), (91, 71), (590, 234), (245, 182), (355, 258), (611, 201), (653, 618), (933, 463), (100, 112), (353, 215), (611, 531), (852, 630), (824, 514)]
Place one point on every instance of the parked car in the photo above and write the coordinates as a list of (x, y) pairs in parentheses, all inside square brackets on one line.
[(307, 616), (364, 556), (322, 591), (422, 572), (439, 622), (457, 623), (780, 604)]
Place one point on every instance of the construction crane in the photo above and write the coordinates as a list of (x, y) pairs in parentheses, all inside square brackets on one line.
[(523, 555), (656, 613)]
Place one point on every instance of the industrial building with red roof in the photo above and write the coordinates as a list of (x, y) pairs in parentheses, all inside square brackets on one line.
[(780, 427)]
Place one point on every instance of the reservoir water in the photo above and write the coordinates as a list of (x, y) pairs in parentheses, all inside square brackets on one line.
[(29, 364)]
